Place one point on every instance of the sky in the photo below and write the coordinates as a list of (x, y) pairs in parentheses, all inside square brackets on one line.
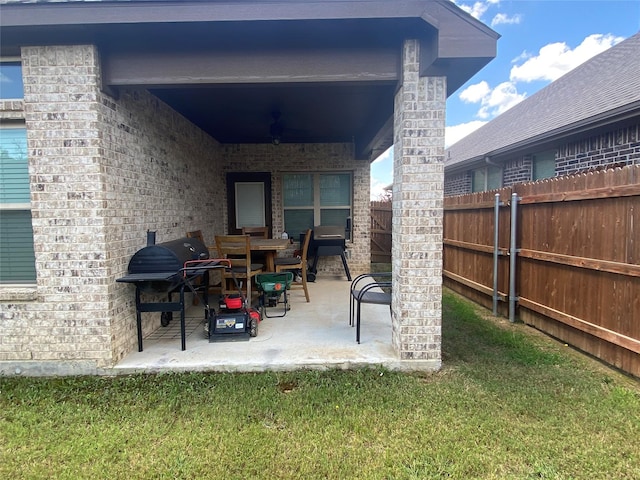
[(540, 41)]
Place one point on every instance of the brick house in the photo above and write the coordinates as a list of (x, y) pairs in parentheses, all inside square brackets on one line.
[(587, 119), (122, 117)]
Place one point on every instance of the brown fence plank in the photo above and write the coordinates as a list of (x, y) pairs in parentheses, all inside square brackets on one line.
[(578, 263), (380, 230), (590, 263), (629, 343)]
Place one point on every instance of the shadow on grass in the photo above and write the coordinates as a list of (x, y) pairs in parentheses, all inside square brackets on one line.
[(469, 338)]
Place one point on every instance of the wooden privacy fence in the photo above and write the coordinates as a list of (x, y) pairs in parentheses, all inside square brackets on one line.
[(570, 266), (381, 216)]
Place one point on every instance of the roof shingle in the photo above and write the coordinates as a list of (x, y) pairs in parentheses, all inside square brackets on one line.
[(605, 85)]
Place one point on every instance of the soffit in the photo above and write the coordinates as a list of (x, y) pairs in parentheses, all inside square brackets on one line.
[(331, 68)]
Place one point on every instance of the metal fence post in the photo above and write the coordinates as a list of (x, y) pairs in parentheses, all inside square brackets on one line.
[(512, 259), (496, 211)]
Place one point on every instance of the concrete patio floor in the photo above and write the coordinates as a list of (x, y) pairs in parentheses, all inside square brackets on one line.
[(313, 335)]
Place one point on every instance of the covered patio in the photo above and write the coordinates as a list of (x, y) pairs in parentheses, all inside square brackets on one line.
[(314, 335), (158, 116)]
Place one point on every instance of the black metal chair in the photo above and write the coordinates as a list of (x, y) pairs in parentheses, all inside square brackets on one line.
[(372, 288)]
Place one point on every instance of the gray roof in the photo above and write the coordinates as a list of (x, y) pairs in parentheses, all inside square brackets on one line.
[(604, 87)]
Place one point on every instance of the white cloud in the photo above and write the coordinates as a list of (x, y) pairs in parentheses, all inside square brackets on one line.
[(477, 9), (475, 93), (504, 19), (378, 189), (500, 99), (492, 101), (381, 174), (556, 59), (553, 60), (456, 132)]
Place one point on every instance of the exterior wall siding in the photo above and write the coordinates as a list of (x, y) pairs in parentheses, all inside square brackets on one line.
[(418, 213), (102, 173)]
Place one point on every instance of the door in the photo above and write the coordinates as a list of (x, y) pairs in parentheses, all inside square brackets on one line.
[(248, 200)]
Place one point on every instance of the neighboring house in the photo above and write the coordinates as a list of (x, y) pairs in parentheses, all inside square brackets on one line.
[(128, 116), (587, 119)]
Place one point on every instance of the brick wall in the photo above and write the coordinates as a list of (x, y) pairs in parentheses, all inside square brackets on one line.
[(417, 213), (286, 158), (619, 147), (161, 174), (516, 171), (457, 184), (102, 172)]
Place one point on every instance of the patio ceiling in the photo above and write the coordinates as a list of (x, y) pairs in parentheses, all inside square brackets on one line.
[(327, 70)]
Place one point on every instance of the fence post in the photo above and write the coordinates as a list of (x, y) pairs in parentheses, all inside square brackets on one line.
[(512, 259), (496, 211)]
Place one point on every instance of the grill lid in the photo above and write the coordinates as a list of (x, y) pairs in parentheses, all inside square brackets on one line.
[(328, 232), (167, 256)]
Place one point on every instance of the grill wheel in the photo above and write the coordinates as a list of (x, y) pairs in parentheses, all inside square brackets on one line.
[(165, 318)]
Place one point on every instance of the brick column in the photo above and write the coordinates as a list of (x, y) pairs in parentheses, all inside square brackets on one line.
[(61, 91), (418, 174)]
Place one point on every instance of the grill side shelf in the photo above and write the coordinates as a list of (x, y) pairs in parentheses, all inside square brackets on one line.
[(146, 277)]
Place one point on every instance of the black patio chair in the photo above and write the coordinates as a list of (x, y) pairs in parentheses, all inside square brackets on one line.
[(372, 288)]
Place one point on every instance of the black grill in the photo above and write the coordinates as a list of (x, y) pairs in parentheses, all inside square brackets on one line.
[(165, 268), (158, 268), (327, 241)]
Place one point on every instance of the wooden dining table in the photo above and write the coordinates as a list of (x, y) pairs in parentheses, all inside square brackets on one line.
[(270, 247)]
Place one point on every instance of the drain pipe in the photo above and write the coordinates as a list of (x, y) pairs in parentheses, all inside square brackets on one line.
[(513, 251)]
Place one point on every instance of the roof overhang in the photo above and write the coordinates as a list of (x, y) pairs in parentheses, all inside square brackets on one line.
[(553, 139), (330, 68)]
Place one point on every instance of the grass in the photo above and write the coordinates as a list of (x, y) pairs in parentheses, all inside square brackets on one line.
[(509, 404)]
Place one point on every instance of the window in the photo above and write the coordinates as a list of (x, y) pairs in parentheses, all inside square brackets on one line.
[(544, 165), (311, 199), (17, 258), (486, 178), (11, 79)]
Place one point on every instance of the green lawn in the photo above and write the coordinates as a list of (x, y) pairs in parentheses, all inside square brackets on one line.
[(509, 403)]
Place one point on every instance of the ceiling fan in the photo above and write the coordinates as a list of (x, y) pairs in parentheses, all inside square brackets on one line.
[(279, 130), (276, 129)]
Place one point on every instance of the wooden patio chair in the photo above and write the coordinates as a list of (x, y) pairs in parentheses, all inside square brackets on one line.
[(296, 263), (259, 232), (237, 248)]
